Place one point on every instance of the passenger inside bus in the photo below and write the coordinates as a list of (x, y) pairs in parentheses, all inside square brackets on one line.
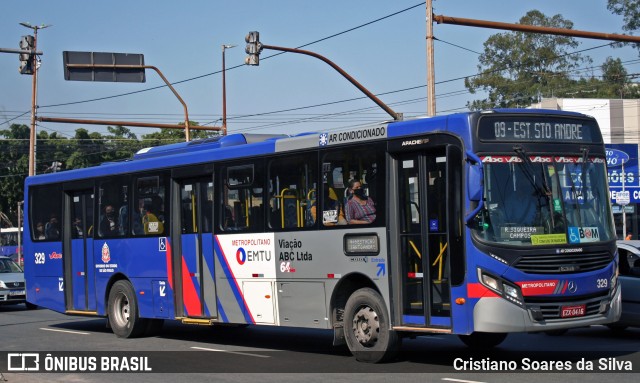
[(39, 234), (52, 230), (153, 219), (361, 209), (109, 222), (332, 210)]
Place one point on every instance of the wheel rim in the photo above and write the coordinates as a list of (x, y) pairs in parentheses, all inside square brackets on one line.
[(121, 310), (366, 326)]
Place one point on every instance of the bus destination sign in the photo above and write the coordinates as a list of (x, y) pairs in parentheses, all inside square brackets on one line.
[(533, 129)]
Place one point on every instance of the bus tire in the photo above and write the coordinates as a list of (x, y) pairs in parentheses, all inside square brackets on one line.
[(366, 327), (124, 316), (483, 340), (30, 306)]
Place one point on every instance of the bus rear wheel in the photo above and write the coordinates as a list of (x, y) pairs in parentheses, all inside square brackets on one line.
[(367, 331), (483, 339), (124, 317)]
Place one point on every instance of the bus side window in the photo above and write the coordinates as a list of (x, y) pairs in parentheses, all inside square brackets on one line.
[(292, 182), (242, 198), (362, 166), (45, 209), (150, 199), (113, 207)]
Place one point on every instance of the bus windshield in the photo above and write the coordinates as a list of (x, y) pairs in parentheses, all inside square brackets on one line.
[(545, 200)]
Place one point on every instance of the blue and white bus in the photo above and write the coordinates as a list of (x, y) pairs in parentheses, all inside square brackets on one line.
[(477, 224)]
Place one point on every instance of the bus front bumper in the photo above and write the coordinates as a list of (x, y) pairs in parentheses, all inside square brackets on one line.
[(498, 315)]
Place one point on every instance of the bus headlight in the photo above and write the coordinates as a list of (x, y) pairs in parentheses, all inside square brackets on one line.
[(511, 291), (490, 282), (505, 289)]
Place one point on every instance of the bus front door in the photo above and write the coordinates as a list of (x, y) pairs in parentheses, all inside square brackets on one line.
[(423, 239), (79, 269), (194, 255)]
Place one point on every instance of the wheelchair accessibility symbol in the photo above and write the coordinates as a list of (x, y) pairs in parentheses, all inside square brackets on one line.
[(574, 235), (162, 244)]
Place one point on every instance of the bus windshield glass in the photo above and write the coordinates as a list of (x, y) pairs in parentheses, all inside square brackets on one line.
[(544, 200)]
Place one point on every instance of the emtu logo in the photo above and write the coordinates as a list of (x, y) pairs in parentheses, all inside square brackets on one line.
[(241, 256)]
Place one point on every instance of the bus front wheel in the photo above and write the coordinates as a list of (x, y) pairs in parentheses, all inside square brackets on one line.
[(483, 339), (366, 327), (123, 311)]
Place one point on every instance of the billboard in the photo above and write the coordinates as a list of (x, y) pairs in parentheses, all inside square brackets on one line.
[(619, 156)]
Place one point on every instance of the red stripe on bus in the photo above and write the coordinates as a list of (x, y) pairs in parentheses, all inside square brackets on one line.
[(169, 265), (189, 294), (477, 290)]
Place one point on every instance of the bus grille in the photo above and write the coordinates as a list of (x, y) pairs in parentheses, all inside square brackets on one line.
[(551, 307), (563, 263)]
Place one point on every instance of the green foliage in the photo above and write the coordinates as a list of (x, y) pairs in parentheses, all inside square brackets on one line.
[(516, 68), (85, 149), (629, 9)]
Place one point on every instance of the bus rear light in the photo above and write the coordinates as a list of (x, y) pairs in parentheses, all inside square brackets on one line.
[(460, 301)]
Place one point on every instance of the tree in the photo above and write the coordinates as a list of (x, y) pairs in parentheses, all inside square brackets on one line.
[(170, 136), (85, 149), (517, 68), (629, 10), (14, 167)]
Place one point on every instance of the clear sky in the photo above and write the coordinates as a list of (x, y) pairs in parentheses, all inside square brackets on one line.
[(184, 38)]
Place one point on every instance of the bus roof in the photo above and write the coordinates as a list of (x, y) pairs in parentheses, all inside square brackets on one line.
[(247, 145)]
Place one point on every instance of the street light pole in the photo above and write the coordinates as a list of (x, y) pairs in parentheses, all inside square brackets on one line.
[(224, 91), (34, 90)]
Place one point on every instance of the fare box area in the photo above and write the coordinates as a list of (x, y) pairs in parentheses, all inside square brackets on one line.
[(624, 187)]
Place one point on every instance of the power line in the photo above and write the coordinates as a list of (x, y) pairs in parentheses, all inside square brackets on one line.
[(233, 67)]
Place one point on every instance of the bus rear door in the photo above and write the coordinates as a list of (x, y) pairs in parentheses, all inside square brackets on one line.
[(79, 269)]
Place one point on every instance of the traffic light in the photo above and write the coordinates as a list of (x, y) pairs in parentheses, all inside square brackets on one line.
[(253, 48), (27, 43)]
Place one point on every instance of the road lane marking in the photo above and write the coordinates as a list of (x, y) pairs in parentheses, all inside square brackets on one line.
[(460, 380), (65, 331), (231, 352)]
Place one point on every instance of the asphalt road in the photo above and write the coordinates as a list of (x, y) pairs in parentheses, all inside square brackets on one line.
[(270, 354)]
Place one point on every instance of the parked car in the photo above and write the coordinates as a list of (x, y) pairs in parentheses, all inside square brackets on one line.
[(629, 252), (12, 287), (16, 258)]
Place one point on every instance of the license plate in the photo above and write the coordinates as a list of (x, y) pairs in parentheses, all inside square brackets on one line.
[(573, 311), (16, 292)]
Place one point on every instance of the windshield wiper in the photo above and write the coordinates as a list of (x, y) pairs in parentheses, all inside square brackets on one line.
[(583, 170), (576, 195), (541, 187)]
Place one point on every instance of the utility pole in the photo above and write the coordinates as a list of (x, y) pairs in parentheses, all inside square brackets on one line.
[(224, 91), (34, 96), (431, 86)]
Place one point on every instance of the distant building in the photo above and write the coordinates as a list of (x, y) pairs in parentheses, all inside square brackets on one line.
[(619, 121)]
